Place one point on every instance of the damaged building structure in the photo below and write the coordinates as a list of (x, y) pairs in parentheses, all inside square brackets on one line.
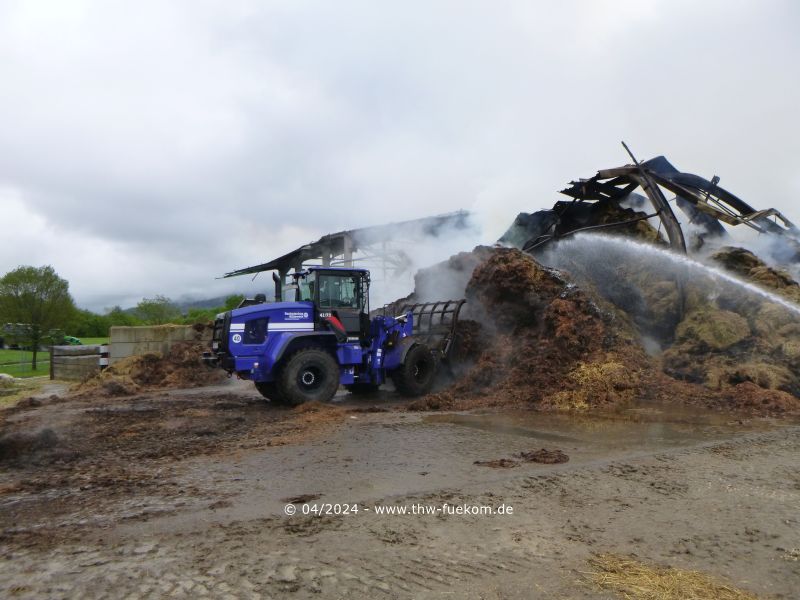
[(617, 198), (380, 248)]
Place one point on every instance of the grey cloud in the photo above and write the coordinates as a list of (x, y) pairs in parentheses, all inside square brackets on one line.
[(192, 138)]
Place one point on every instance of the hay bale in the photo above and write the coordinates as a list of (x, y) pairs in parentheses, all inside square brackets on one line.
[(748, 266), (711, 330)]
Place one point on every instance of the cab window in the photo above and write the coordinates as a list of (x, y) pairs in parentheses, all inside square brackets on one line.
[(340, 291), (305, 287)]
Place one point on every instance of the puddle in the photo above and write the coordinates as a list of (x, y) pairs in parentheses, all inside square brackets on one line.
[(497, 424), (642, 426)]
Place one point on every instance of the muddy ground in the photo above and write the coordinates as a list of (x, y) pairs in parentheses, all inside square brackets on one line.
[(182, 494)]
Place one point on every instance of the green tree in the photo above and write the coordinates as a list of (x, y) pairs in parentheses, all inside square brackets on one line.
[(232, 302), (199, 315), (88, 324), (157, 311), (204, 315), (118, 317), (37, 298)]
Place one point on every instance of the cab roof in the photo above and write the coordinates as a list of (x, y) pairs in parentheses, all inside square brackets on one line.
[(321, 268)]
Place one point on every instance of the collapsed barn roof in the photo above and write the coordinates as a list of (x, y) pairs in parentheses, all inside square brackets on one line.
[(703, 201), (338, 248)]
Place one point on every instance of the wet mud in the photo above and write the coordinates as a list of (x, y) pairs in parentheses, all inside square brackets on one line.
[(170, 492)]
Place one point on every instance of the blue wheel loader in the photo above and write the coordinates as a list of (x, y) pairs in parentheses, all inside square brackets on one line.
[(318, 335)]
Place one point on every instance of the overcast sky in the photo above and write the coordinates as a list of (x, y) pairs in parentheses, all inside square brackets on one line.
[(147, 147)]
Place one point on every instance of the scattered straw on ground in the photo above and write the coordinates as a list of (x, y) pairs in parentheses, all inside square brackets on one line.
[(305, 422), (637, 581), (12, 391)]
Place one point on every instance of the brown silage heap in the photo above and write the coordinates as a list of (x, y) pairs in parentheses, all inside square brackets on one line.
[(531, 337), (543, 341)]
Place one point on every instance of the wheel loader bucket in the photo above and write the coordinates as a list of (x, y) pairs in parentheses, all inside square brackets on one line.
[(434, 323)]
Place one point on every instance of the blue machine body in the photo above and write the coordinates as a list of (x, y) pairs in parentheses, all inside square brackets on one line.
[(252, 340)]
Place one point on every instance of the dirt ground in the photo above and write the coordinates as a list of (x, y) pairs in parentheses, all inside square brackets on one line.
[(182, 493)]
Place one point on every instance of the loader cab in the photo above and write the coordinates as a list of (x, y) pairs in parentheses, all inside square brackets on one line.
[(341, 292)]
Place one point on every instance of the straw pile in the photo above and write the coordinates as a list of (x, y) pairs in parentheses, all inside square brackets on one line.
[(179, 367), (635, 580)]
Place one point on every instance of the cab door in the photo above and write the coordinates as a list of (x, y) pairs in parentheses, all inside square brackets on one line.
[(343, 295)]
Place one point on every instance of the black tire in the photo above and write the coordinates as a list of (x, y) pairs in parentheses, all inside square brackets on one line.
[(269, 389), (308, 375), (362, 389), (415, 376)]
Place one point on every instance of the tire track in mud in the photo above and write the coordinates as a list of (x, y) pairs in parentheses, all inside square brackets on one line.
[(566, 512), (149, 571), (733, 515)]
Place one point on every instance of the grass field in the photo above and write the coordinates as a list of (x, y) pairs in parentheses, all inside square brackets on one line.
[(24, 369), (9, 357), (18, 362)]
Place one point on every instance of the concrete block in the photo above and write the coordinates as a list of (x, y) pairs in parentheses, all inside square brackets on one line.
[(75, 350), (75, 367)]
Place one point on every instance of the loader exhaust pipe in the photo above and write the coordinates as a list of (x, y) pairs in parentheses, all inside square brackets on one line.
[(278, 287)]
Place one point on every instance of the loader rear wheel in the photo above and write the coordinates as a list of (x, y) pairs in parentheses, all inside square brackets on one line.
[(269, 389), (310, 374), (415, 376)]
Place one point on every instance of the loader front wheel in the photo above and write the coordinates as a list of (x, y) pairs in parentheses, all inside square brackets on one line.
[(269, 389), (310, 374), (415, 376)]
